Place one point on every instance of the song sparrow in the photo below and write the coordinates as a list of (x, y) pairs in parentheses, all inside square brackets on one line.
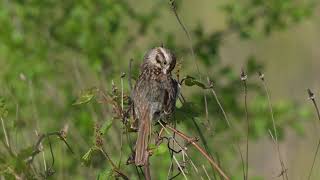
[(154, 96)]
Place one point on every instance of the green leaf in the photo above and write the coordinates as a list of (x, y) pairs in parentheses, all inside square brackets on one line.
[(105, 127), (86, 158), (86, 96), (191, 81)]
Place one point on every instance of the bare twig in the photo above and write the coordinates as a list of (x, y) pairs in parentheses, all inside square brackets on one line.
[(180, 168), (218, 101), (314, 159), (122, 76), (205, 171), (202, 151), (37, 148), (205, 144), (175, 175), (198, 130), (123, 115), (242, 161), (243, 78), (43, 154), (5, 132), (49, 171), (174, 9), (115, 168), (183, 149), (312, 98), (227, 121), (172, 151), (283, 167), (179, 20)]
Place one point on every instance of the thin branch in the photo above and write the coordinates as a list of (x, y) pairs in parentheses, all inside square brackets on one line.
[(43, 154), (314, 159), (199, 130), (183, 149), (312, 98), (37, 147), (202, 151), (228, 122), (283, 167), (175, 176), (123, 116), (242, 161), (205, 171), (218, 101), (49, 171), (5, 132), (115, 168), (51, 152), (172, 151), (122, 76), (179, 20), (180, 168), (174, 9), (204, 142), (243, 78)]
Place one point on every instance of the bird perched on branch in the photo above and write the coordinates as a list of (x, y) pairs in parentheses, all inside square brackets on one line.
[(154, 97)]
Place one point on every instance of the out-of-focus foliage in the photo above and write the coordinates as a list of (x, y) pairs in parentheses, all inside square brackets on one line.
[(51, 50), (254, 16)]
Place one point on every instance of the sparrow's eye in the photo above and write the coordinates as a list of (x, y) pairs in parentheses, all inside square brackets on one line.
[(165, 63), (158, 59)]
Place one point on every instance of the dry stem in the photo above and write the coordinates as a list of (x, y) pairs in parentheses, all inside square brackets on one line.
[(202, 151)]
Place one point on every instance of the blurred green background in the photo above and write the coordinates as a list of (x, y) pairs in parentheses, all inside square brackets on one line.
[(51, 50)]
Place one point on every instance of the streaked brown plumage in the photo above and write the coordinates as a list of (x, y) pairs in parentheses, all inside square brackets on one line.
[(154, 96)]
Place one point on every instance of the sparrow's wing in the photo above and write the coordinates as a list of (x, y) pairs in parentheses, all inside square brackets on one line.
[(170, 97)]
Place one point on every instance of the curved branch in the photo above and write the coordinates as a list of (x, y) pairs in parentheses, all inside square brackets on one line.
[(201, 150)]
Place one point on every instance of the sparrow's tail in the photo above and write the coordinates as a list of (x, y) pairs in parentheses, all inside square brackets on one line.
[(142, 142)]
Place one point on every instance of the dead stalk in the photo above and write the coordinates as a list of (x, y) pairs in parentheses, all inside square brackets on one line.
[(275, 138)]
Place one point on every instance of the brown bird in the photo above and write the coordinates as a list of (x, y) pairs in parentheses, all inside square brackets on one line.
[(154, 96)]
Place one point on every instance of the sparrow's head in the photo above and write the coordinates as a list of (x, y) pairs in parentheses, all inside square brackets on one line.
[(161, 58)]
